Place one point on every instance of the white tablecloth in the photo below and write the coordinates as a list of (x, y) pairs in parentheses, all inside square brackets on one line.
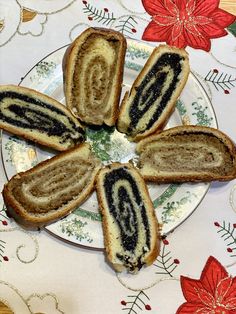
[(40, 273)]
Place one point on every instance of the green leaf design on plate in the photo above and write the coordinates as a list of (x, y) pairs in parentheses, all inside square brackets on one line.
[(174, 210), (166, 195), (136, 53), (44, 68), (201, 114), (100, 139), (133, 66), (181, 107), (109, 145), (75, 228), (87, 214), (8, 147), (21, 154), (232, 29)]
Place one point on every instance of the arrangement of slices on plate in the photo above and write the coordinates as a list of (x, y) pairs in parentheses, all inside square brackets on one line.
[(93, 70)]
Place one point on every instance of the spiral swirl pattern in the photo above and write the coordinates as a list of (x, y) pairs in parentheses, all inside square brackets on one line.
[(53, 188), (154, 92), (194, 154), (66, 181), (149, 104), (97, 77), (128, 217), (31, 116), (127, 208)]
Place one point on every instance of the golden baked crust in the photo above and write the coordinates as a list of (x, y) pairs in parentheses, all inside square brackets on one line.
[(39, 118), (93, 68), (146, 108), (187, 154), (127, 247), (53, 188)]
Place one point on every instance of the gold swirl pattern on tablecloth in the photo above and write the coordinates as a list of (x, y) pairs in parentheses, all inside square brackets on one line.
[(15, 302)]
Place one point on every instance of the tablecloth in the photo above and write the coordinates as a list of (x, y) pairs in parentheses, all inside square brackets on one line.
[(40, 273)]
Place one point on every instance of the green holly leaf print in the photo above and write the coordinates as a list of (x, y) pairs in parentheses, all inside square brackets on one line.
[(100, 141)]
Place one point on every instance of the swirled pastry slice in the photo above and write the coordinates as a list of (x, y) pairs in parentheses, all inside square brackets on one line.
[(187, 153), (39, 118), (129, 222), (53, 188), (93, 75), (151, 100)]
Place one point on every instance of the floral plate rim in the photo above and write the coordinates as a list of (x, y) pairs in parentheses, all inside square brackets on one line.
[(136, 51)]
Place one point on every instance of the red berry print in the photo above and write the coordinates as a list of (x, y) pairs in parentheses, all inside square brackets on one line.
[(106, 9), (84, 2), (176, 261), (90, 18), (4, 222), (215, 71), (226, 91), (5, 258), (148, 307), (123, 302), (165, 241), (229, 250), (216, 224), (134, 30), (234, 225)]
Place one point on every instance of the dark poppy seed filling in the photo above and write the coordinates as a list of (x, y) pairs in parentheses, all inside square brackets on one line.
[(154, 92), (32, 114), (128, 210)]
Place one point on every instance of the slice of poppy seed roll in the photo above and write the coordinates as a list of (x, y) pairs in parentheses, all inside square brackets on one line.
[(187, 153), (93, 68), (151, 100), (130, 227), (39, 118), (53, 188)]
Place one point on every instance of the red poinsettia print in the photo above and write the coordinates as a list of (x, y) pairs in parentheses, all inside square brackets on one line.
[(184, 23), (213, 293)]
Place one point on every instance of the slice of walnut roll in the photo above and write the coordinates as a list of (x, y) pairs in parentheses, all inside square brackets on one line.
[(53, 188), (93, 73), (187, 153)]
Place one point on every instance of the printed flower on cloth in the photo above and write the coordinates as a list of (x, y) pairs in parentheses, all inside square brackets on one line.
[(213, 293), (184, 23)]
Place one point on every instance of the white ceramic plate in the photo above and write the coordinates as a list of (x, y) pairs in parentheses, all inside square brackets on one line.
[(173, 203)]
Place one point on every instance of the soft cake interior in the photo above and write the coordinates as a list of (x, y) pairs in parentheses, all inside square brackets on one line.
[(93, 83), (31, 115), (154, 92), (128, 225), (54, 185), (190, 153)]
